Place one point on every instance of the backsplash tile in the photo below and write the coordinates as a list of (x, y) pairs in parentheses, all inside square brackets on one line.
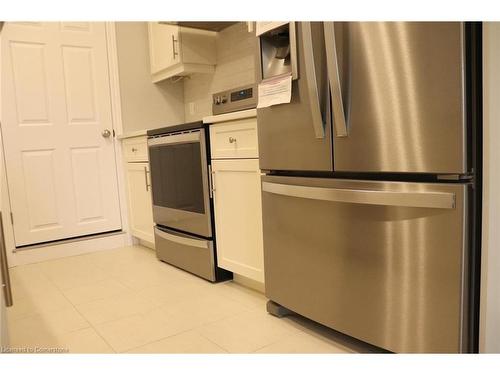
[(235, 67)]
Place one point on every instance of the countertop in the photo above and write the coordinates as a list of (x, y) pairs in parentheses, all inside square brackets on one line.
[(230, 116), (206, 120)]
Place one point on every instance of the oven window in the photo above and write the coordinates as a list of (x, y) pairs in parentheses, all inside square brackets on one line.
[(176, 176)]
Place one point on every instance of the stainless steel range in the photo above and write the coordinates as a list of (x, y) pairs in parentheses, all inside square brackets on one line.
[(182, 197), (182, 200)]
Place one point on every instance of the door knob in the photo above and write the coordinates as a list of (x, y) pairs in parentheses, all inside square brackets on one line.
[(106, 133)]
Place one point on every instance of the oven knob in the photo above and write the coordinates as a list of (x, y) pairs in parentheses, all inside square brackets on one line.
[(223, 100), (217, 100)]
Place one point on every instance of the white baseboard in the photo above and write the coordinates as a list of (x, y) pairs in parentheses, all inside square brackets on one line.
[(147, 244), (70, 248), (249, 283)]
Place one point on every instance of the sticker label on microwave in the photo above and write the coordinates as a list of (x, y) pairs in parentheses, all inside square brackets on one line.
[(275, 90)]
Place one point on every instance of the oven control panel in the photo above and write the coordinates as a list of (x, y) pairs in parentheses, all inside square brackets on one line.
[(237, 99)]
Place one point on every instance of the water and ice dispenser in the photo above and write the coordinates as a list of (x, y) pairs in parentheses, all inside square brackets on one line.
[(278, 47)]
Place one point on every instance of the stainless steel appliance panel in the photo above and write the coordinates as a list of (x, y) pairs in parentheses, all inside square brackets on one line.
[(297, 136), (187, 252), (179, 179), (401, 88), (384, 262)]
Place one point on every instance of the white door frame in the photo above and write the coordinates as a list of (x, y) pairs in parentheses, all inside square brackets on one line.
[(68, 248)]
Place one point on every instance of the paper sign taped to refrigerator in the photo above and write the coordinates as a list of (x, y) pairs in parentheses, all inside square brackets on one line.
[(275, 90)]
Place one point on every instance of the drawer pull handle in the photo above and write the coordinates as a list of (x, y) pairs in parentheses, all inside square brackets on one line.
[(232, 140), (146, 178)]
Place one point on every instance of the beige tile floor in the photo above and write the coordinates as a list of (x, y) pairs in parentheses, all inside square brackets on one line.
[(125, 300)]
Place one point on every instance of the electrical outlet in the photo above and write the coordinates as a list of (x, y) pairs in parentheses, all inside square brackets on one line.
[(191, 108)]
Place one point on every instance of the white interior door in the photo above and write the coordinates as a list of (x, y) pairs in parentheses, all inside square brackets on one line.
[(56, 99)]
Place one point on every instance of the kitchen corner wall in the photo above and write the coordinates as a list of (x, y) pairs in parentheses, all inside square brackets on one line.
[(235, 67), (489, 338), (145, 105)]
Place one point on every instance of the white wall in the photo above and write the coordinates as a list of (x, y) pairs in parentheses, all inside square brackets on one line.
[(235, 67), (490, 272), (145, 105)]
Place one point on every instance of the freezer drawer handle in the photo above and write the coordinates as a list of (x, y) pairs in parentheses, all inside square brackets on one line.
[(182, 240), (312, 83), (332, 66), (375, 197)]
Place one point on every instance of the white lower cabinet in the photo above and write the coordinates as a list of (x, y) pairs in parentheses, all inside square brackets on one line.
[(139, 201), (238, 216)]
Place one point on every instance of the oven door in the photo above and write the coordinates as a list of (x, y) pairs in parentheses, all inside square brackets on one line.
[(179, 179)]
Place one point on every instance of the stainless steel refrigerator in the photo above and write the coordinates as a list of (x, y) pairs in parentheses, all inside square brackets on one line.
[(371, 186)]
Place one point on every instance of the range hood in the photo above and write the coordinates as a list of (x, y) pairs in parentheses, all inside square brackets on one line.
[(208, 25)]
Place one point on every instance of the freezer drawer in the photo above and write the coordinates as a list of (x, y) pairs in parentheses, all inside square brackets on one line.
[(190, 253), (384, 262)]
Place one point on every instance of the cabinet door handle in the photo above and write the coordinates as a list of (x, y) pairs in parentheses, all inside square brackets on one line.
[(146, 178), (211, 184), (174, 52), (134, 149)]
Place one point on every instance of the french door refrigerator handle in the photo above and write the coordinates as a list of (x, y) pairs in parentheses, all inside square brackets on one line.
[(339, 120), (312, 84), (373, 197)]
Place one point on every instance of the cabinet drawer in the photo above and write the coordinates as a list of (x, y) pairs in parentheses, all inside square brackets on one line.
[(135, 149), (234, 139)]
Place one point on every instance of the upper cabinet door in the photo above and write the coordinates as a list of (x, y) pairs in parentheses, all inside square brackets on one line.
[(163, 46), (180, 51)]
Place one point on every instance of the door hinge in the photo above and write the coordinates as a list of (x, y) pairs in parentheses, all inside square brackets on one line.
[(12, 218)]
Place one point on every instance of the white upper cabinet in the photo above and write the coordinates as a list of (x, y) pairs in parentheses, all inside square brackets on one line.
[(179, 51)]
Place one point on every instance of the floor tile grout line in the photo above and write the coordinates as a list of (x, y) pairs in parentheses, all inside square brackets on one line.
[(227, 296), (46, 276), (213, 342), (194, 329), (64, 296), (80, 313)]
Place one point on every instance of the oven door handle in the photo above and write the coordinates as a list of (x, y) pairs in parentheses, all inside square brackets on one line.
[(188, 241), (194, 136)]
